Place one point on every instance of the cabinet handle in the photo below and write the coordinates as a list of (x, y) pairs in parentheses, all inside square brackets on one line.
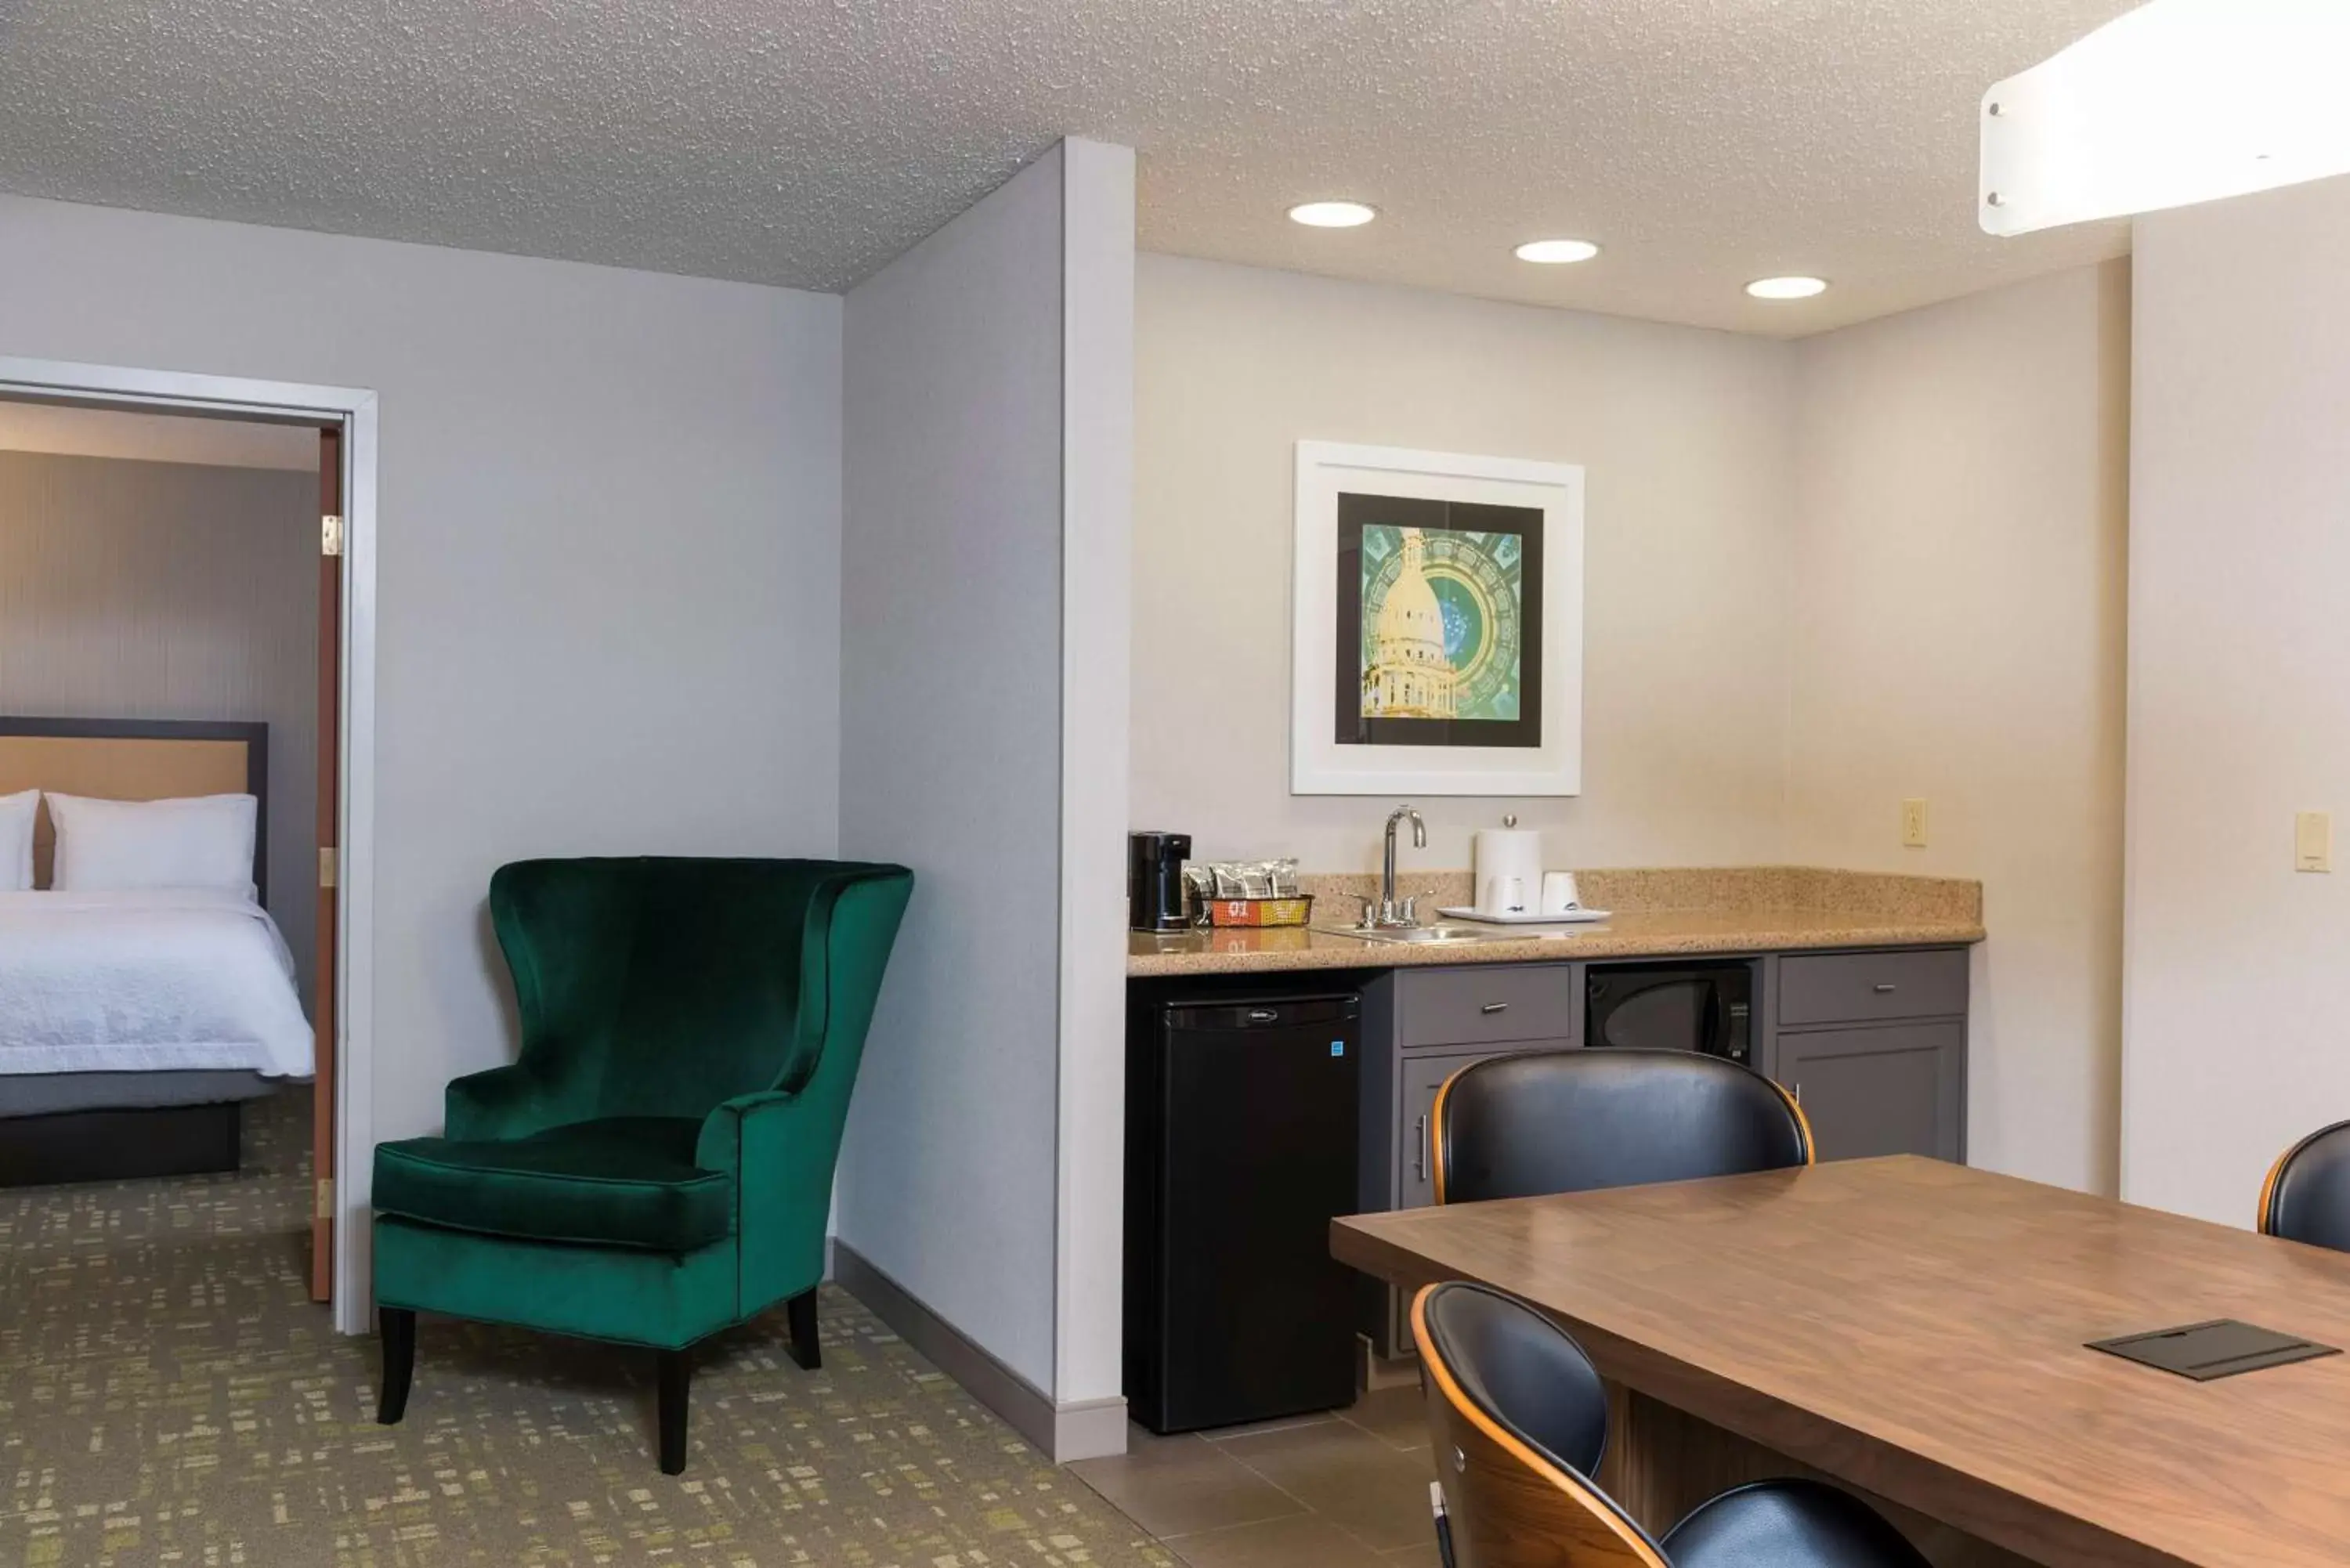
[(1796, 1090), (1884, 987), (1495, 1007), (1419, 1153)]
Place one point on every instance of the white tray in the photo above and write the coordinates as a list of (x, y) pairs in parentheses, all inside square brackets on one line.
[(1572, 917)]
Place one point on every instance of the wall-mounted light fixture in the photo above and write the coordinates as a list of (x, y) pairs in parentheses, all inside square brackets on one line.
[(2175, 102)]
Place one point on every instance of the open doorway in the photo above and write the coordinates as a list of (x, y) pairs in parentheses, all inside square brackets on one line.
[(186, 658)]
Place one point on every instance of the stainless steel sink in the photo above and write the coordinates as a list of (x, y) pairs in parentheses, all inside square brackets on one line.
[(1425, 935)]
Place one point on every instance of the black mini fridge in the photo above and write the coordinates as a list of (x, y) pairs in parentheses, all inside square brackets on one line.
[(1240, 1130)]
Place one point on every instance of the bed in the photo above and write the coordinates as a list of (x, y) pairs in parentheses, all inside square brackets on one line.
[(135, 1023)]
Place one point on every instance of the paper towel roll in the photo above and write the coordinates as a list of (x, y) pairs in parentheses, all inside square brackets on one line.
[(1506, 855)]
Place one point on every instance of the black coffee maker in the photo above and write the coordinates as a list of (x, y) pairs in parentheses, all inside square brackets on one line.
[(1154, 880)]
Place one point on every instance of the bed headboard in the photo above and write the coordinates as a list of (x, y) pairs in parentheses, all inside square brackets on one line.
[(135, 759)]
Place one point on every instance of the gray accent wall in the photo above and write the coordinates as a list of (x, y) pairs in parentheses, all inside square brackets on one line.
[(950, 759), (986, 580), (607, 561), (167, 591)]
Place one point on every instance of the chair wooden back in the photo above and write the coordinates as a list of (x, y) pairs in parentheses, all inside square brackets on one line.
[(2306, 1197), (1510, 1500)]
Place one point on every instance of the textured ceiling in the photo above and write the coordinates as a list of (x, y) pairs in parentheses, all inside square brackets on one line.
[(806, 142)]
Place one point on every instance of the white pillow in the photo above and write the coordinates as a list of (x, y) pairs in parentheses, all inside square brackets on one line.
[(17, 815), (205, 841)]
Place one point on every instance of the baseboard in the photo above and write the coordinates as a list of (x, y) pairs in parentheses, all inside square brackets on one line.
[(1080, 1429), (1088, 1429)]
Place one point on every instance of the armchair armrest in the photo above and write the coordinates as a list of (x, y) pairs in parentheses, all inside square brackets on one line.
[(780, 1147), (497, 1105)]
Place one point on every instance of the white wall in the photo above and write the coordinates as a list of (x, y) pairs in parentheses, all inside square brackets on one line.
[(167, 590), (609, 561), (950, 759), (1822, 577), (1097, 695), (2239, 708), (1687, 437), (983, 703), (1960, 548)]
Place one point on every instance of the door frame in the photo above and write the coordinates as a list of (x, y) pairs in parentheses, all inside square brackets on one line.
[(354, 409)]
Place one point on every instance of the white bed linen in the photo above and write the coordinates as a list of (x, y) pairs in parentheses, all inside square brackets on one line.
[(145, 980), (17, 813), (195, 841)]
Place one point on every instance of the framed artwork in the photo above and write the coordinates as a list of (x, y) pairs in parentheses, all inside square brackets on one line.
[(1437, 644)]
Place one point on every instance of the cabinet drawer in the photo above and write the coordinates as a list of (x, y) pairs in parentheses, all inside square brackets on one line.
[(1860, 988), (1487, 1004)]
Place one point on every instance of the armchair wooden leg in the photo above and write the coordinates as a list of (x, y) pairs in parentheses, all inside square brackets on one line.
[(676, 1381), (398, 1326), (800, 1313)]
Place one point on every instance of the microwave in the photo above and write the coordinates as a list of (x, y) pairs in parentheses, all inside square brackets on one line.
[(1708, 1008)]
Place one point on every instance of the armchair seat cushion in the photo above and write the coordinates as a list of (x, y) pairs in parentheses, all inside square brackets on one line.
[(616, 1182)]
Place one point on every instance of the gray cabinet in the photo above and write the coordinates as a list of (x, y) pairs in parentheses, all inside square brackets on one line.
[(1422, 1077), (1893, 1089), (1873, 1041), (1874, 1045), (1860, 988), (1487, 1004), (1421, 1025)]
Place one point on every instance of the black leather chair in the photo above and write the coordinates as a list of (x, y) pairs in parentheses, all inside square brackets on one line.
[(2307, 1195), (1572, 1121), (1520, 1420)]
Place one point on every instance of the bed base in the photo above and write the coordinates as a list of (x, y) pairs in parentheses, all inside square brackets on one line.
[(119, 1145)]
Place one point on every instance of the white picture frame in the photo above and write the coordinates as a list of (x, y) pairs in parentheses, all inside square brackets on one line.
[(1320, 763)]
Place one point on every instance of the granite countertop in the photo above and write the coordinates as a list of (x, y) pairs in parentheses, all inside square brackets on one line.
[(1657, 914)]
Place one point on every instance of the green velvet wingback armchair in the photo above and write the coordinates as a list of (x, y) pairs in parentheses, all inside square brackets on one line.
[(658, 1163)]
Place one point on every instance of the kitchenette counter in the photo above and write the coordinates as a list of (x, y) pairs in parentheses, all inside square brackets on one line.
[(1657, 914)]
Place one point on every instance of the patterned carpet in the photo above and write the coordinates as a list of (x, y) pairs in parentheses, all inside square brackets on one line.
[(168, 1396)]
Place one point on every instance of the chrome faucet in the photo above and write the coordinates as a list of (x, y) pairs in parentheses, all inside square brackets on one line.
[(1389, 913)]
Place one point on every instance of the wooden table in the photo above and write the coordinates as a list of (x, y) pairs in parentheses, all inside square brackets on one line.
[(1916, 1330)]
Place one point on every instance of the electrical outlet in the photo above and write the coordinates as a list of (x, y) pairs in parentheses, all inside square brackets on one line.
[(2313, 841), (1913, 824)]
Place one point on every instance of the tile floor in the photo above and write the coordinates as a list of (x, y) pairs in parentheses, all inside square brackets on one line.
[(1343, 1491)]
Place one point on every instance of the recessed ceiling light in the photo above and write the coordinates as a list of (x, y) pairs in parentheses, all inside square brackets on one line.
[(1332, 215), (1786, 287), (1555, 252)]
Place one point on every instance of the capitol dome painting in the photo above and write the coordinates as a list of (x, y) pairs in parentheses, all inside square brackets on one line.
[(1443, 623), (1410, 674), (1438, 626)]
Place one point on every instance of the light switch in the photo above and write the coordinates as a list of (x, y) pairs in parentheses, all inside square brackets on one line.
[(1913, 824), (2313, 841)]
